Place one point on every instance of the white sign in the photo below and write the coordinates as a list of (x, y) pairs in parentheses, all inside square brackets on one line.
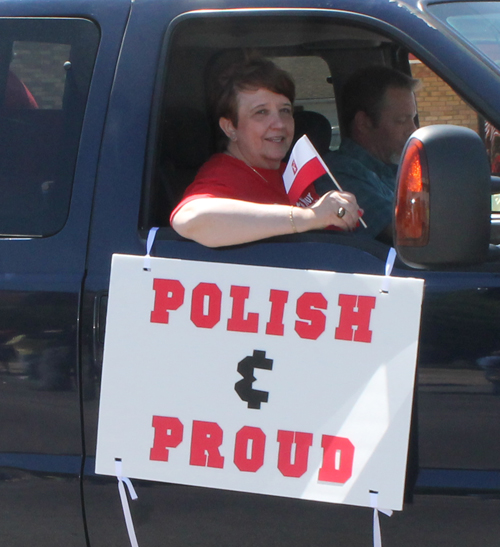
[(267, 380)]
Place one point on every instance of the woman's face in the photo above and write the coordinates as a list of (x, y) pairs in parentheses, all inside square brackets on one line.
[(265, 128)]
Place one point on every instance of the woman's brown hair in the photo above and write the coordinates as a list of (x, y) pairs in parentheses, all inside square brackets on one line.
[(243, 71)]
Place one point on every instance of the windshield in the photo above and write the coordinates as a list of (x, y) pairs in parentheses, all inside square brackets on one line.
[(477, 22)]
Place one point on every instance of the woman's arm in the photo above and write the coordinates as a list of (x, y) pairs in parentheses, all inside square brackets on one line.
[(217, 222)]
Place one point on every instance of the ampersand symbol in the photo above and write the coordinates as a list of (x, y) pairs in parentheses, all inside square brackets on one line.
[(244, 388)]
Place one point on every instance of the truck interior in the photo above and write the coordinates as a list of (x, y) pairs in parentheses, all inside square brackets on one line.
[(319, 53)]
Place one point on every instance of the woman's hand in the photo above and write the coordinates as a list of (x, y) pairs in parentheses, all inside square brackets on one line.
[(339, 209)]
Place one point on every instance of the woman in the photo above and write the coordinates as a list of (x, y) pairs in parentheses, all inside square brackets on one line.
[(238, 196)]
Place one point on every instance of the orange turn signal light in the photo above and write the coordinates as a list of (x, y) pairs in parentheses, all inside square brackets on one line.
[(412, 199)]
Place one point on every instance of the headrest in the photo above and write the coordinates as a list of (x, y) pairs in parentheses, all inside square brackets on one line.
[(316, 127), (187, 137)]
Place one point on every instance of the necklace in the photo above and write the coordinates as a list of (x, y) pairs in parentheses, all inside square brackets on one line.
[(260, 174), (248, 165)]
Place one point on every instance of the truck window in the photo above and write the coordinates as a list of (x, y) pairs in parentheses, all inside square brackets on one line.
[(320, 55), (185, 134), (478, 23), (45, 70)]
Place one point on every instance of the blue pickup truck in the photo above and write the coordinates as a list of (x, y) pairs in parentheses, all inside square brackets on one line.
[(103, 123)]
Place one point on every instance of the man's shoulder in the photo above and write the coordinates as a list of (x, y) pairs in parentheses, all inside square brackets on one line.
[(352, 160), (348, 159)]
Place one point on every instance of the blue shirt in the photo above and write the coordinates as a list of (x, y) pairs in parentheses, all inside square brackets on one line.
[(371, 180)]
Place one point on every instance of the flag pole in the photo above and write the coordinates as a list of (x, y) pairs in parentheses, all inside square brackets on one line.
[(363, 223)]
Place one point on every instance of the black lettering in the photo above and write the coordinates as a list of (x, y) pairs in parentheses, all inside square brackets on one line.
[(244, 388)]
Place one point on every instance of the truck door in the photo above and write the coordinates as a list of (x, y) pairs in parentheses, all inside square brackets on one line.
[(156, 137), (46, 67)]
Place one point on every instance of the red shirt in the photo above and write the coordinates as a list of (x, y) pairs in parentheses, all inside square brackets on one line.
[(224, 176)]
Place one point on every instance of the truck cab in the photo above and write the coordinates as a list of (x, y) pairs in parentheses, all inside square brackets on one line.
[(103, 124)]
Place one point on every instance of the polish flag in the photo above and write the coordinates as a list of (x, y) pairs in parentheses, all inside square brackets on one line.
[(303, 168)]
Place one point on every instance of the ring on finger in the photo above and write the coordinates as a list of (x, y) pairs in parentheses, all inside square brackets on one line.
[(341, 212)]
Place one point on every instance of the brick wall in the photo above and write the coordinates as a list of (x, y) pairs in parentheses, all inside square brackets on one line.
[(438, 103), (40, 66)]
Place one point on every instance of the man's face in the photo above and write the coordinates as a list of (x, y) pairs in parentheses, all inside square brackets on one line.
[(397, 122)]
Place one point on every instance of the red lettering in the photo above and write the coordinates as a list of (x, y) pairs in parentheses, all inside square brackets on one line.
[(355, 312), (206, 438), (169, 295), (242, 459), (338, 458), (168, 434), (302, 443), (206, 293), (237, 321), (308, 308), (278, 300)]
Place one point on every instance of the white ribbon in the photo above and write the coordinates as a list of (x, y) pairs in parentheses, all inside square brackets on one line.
[(149, 245), (389, 264), (377, 537), (123, 497)]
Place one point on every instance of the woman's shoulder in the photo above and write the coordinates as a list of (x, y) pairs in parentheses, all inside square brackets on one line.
[(220, 176), (220, 162)]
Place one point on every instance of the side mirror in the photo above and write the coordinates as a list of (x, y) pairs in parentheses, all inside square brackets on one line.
[(443, 199)]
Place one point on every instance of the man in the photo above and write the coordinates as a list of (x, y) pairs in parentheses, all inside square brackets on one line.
[(378, 111)]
